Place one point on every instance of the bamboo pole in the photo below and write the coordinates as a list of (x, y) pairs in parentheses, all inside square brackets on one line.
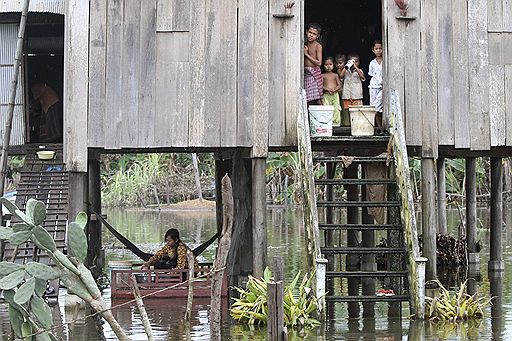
[(12, 96), (142, 309), (196, 176)]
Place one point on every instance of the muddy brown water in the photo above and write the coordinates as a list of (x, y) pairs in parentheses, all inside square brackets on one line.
[(285, 238)]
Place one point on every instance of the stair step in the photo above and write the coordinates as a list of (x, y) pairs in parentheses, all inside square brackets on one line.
[(367, 298), (359, 227), (361, 250), (357, 203), (366, 273), (335, 159), (321, 182)]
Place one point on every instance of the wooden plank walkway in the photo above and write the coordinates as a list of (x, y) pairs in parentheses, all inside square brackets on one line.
[(44, 180)]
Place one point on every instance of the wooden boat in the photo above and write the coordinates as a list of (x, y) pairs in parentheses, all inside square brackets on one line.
[(153, 281)]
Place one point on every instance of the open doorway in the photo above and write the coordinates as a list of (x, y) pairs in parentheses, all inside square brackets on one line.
[(43, 73), (348, 26)]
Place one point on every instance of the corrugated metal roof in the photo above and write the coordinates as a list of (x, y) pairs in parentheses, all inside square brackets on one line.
[(48, 6)]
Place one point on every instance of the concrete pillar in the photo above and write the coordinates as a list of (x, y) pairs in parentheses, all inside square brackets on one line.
[(471, 232), (259, 216), (496, 248), (429, 217), (441, 196)]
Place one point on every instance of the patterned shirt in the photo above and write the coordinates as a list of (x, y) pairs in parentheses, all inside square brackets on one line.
[(170, 250)]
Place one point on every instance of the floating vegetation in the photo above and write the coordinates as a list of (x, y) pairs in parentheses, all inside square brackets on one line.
[(455, 307), (299, 303)]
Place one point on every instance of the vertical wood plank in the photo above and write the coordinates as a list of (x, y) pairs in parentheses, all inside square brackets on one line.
[(277, 60), (478, 75), (412, 108), (197, 73), (164, 14), (445, 73), (260, 122), (293, 72), (507, 15), (245, 59), (496, 44), (429, 78), (508, 103), (173, 15), (113, 113), (76, 74), (226, 82), (130, 59), (97, 55), (497, 104), (147, 111), (495, 14), (460, 68), (506, 40)]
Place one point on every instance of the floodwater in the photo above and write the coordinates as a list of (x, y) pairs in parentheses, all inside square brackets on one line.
[(285, 238)]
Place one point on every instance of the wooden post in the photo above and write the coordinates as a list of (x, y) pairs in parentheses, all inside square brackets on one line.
[(95, 256), (352, 261), (190, 297), (496, 291), (329, 219), (221, 258), (496, 248), (142, 309), (471, 231), (394, 308), (222, 167), (259, 216), (441, 196), (197, 177), (368, 260), (275, 292), (428, 215)]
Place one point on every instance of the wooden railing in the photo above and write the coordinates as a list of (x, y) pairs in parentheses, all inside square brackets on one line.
[(408, 217)]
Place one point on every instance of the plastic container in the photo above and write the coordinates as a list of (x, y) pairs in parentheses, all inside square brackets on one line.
[(320, 120), (362, 120), (45, 154)]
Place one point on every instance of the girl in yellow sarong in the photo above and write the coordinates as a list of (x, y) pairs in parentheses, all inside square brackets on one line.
[(331, 86)]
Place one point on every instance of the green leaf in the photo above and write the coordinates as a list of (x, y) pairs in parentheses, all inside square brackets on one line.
[(12, 280), (21, 237), (41, 271), (6, 232), (11, 207), (43, 240), (65, 262), (18, 227), (16, 319), (25, 291), (81, 219), (26, 330), (36, 210), (77, 241), (40, 287), (41, 311), (24, 217), (43, 337), (9, 267)]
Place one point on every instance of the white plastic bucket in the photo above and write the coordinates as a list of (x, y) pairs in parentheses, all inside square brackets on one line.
[(362, 120), (320, 120)]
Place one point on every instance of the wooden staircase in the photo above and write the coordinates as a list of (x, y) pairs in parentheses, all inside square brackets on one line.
[(44, 180)]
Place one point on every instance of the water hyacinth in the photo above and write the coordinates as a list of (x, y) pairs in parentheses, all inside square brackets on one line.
[(299, 303)]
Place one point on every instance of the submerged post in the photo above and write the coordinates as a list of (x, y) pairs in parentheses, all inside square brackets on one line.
[(471, 235), (428, 216), (496, 247), (441, 196)]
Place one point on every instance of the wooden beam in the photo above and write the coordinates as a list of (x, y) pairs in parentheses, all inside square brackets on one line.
[(441, 196), (95, 255), (496, 248), (259, 216), (428, 215)]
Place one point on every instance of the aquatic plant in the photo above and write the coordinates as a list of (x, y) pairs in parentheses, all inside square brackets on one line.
[(299, 303), (24, 284), (454, 308)]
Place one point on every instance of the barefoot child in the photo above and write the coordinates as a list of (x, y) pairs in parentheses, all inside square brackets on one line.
[(313, 82), (331, 85), (352, 77), (375, 70)]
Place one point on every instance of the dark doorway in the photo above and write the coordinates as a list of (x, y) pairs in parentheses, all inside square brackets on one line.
[(348, 26)]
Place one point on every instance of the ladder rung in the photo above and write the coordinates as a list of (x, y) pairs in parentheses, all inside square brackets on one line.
[(359, 227), (357, 203), (367, 298), (362, 250), (366, 273)]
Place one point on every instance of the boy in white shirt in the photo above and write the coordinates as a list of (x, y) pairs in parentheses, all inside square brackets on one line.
[(375, 71)]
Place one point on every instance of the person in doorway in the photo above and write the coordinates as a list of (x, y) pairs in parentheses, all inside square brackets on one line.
[(313, 81), (51, 120), (375, 71), (331, 84), (352, 77), (172, 256)]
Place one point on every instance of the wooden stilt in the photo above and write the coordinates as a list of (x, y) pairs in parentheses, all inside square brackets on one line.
[(352, 263), (329, 219), (368, 262), (441, 196), (259, 216), (496, 247), (95, 255), (394, 238), (222, 167), (429, 218), (471, 234)]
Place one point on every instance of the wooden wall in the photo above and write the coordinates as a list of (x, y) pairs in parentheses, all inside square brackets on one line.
[(451, 62), (192, 73)]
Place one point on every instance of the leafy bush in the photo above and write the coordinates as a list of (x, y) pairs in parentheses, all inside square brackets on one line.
[(454, 308), (299, 304)]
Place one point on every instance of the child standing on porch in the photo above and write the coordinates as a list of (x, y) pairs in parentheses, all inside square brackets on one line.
[(313, 81), (331, 86), (375, 71), (353, 77)]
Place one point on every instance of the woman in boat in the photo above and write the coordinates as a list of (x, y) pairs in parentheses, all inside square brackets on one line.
[(172, 256)]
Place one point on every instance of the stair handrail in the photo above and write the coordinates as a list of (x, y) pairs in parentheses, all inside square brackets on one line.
[(407, 214), (307, 182)]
